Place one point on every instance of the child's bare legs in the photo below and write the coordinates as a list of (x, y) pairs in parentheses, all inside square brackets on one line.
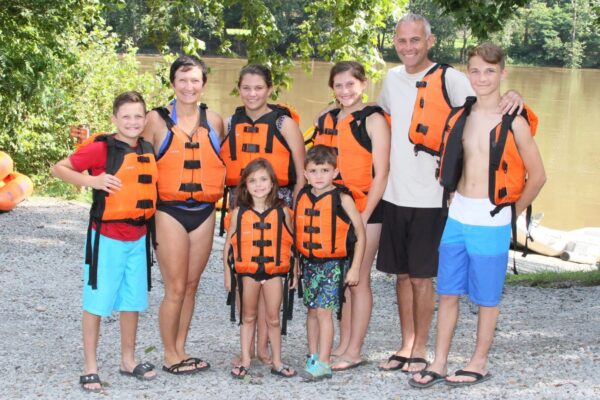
[(272, 294), (325, 329), (446, 324), (129, 323), (486, 326), (262, 336), (312, 331), (90, 324), (260, 332), (356, 312), (249, 313)]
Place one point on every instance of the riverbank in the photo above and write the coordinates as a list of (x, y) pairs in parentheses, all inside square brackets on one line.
[(546, 345)]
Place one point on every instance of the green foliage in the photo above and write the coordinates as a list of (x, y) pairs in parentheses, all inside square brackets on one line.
[(553, 33), (346, 30), (482, 16), (55, 72)]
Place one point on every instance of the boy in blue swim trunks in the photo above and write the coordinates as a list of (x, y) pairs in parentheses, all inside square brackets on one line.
[(474, 246), (122, 172), (326, 221)]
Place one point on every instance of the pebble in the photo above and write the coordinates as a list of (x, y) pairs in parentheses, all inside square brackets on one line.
[(546, 345)]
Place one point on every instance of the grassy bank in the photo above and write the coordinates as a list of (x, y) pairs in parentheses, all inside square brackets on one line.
[(555, 279)]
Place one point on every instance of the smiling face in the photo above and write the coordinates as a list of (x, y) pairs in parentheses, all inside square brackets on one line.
[(254, 91), (259, 184), (188, 84), (320, 176), (348, 90), (129, 122), (484, 77), (412, 44)]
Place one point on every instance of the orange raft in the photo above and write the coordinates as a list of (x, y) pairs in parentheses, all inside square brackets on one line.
[(14, 187)]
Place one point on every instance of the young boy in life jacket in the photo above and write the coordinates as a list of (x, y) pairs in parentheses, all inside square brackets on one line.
[(122, 172), (474, 246), (329, 235)]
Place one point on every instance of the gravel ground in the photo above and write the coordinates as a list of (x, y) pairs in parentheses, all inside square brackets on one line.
[(547, 344)]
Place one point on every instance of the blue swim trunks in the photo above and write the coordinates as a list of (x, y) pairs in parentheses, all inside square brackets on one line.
[(473, 261), (321, 281), (122, 278)]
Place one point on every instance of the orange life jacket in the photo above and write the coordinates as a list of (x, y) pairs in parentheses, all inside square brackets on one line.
[(352, 144), (432, 105), (248, 140), (507, 174), (135, 203), (262, 243), (190, 168), (322, 227)]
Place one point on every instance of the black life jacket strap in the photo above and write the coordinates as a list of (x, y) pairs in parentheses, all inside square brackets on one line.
[(240, 284), (233, 289), (223, 211), (286, 299), (150, 244), (238, 232), (342, 288), (235, 118), (335, 202), (280, 221), (93, 273), (528, 237), (292, 292), (166, 116)]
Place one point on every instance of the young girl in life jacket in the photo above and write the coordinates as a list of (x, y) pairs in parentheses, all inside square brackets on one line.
[(361, 136), (261, 239), (262, 130)]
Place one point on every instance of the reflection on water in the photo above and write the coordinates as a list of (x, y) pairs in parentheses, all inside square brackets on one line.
[(566, 101)]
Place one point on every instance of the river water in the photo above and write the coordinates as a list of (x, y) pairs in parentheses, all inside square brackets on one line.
[(566, 101)]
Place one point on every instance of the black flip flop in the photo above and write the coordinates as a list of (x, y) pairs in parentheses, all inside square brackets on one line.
[(176, 369), (241, 370), (279, 372), (479, 378), (196, 362), (416, 360), (401, 360), (90, 378), (140, 371), (435, 379)]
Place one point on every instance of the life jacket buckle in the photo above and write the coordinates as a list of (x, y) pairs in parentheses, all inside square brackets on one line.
[(422, 129), (262, 243), (143, 159), (192, 145), (312, 229), (191, 164), (421, 84), (144, 178), (261, 225), (251, 129), (250, 148), (311, 212), (311, 245), (190, 187)]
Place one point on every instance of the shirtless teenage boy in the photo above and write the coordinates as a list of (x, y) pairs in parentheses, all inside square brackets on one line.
[(475, 242)]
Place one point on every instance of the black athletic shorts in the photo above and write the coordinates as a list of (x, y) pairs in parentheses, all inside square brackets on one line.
[(377, 214), (409, 242)]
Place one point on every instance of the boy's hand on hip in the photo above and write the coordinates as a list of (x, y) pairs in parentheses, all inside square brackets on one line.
[(108, 183)]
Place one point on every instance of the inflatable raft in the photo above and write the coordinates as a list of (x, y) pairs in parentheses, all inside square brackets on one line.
[(14, 187), (579, 245)]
